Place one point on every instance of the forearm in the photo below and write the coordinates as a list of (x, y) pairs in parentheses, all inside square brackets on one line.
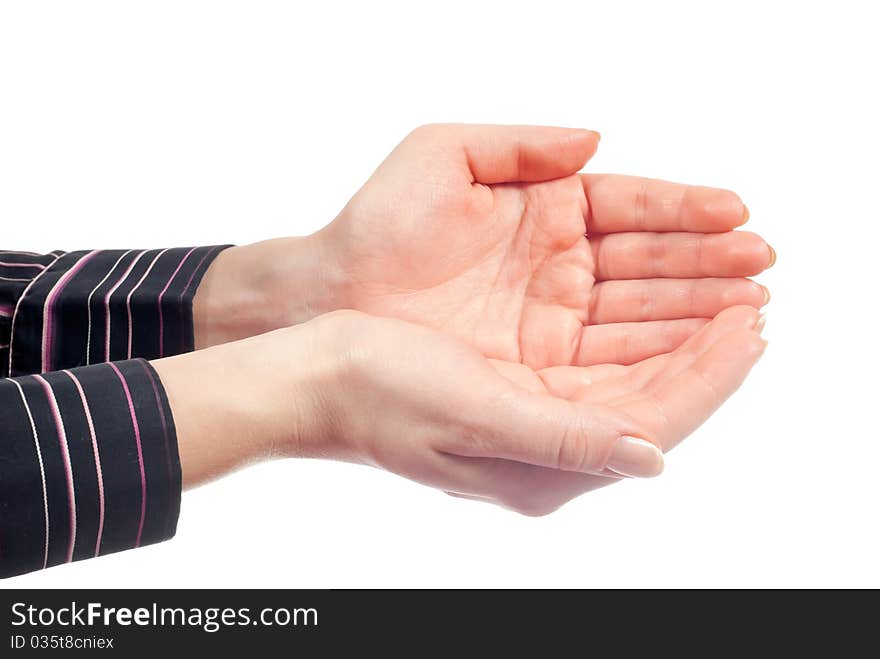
[(247, 401), (93, 459), (253, 289)]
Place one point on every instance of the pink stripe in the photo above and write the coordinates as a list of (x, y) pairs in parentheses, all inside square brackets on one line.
[(161, 409), (48, 309), (65, 457), (85, 404), (18, 306), (131, 293), (3, 264), (162, 295), (5, 311), (190, 281), (107, 305), (137, 439), (192, 276)]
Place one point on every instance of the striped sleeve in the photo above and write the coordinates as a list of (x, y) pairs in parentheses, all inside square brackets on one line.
[(17, 271), (63, 310), (88, 465)]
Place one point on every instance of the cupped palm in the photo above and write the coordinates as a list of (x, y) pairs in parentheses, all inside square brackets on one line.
[(669, 396), (490, 234)]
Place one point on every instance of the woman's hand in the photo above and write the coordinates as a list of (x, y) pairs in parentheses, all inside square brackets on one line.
[(489, 233), (422, 404)]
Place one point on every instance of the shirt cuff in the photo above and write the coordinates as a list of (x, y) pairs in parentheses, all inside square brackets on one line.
[(104, 305), (88, 465)]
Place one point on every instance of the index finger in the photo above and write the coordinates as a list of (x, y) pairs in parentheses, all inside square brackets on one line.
[(630, 203)]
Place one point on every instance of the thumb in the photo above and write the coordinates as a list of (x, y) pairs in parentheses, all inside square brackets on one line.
[(552, 432), (510, 154)]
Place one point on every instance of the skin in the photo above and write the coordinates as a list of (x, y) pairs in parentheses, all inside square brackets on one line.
[(422, 404), (511, 323), (489, 233)]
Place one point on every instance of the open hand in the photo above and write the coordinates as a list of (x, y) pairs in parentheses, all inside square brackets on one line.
[(424, 405), (488, 233), (588, 322)]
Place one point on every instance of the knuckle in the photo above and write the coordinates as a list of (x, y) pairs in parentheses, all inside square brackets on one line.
[(575, 448), (625, 346), (657, 256), (645, 302), (640, 206), (699, 248)]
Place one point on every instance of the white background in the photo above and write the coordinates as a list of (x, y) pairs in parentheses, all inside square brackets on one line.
[(210, 122)]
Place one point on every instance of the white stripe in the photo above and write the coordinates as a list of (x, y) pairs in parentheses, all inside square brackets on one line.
[(88, 412), (42, 472), (18, 304), (14, 279), (89, 305), (71, 272), (107, 304), (65, 456), (131, 293)]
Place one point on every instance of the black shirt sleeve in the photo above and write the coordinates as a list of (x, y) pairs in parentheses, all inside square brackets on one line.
[(63, 310), (88, 451), (88, 465)]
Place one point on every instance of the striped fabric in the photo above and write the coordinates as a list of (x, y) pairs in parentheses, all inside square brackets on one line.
[(88, 450), (88, 465), (65, 310)]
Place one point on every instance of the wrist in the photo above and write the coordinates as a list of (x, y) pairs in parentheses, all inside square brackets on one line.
[(258, 288), (247, 401)]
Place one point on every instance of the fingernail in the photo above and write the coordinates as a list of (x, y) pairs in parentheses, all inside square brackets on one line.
[(766, 294), (772, 257), (745, 217), (597, 134), (762, 320), (635, 458)]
